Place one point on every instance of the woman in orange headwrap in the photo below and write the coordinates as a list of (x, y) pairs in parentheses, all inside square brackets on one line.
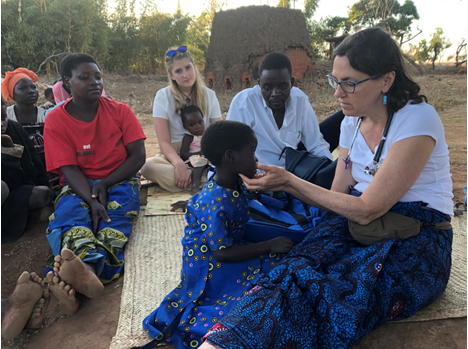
[(19, 86)]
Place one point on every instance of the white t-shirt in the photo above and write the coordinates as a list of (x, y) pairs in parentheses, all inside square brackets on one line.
[(300, 124), (164, 107), (434, 185), (40, 114)]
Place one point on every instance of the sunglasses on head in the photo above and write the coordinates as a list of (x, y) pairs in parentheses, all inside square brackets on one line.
[(172, 53)]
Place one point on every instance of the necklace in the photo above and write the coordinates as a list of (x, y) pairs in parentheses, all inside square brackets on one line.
[(187, 98)]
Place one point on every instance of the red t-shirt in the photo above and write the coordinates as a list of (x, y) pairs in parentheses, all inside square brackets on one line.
[(97, 147)]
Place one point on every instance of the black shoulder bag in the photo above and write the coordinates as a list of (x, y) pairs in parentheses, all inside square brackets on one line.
[(319, 170)]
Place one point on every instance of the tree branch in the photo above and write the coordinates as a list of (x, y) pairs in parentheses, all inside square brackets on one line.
[(45, 60), (404, 42), (413, 63)]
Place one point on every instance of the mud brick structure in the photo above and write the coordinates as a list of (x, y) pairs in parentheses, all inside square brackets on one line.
[(240, 39)]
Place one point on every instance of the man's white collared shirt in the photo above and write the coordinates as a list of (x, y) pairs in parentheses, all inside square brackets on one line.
[(299, 124)]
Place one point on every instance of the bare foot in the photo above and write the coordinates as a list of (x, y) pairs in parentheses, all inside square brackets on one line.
[(17, 308), (36, 320), (64, 293), (77, 274)]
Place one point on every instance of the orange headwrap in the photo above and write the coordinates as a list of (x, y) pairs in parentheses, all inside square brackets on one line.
[(11, 78)]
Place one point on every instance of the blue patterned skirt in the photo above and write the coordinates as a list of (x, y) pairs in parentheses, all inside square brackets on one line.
[(330, 290), (71, 227)]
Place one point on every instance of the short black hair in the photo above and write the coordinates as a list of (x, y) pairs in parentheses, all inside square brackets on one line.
[(59, 62), (47, 92), (188, 110), (72, 61), (275, 61), (223, 135)]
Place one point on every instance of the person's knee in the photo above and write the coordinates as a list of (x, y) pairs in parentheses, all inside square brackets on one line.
[(40, 196), (5, 191), (150, 171)]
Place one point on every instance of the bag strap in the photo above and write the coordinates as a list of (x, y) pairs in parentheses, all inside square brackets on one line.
[(302, 220), (440, 226)]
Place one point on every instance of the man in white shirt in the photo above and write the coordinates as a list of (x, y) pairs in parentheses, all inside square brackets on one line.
[(280, 114)]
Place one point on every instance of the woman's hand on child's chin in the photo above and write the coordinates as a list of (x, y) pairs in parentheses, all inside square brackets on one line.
[(273, 178)]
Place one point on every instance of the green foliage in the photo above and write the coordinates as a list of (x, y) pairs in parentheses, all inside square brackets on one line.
[(158, 32), (389, 14), (41, 29), (120, 41), (324, 29), (437, 45), (430, 50), (199, 31), (310, 6), (284, 3)]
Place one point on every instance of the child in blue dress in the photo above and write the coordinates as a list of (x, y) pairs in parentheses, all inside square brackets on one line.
[(218, 267)]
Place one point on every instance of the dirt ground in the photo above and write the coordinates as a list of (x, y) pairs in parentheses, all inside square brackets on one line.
[(96, 322)]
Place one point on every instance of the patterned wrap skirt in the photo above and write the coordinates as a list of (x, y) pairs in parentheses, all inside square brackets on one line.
[(70, 227), (330, 290)]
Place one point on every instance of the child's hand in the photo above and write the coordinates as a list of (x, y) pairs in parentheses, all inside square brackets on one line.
[(280, 244), (179, 205)]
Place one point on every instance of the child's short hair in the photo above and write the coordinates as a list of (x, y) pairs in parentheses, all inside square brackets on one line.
[(188, 110), (224, 135), (47, 92)]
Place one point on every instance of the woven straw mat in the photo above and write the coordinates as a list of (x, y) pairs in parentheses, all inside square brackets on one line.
[(152, 270)]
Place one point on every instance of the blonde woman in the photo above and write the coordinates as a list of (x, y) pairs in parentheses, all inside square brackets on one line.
[(186, 87)]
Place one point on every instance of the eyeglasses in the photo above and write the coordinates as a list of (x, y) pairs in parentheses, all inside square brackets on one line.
[(346, 86), (172, 53)]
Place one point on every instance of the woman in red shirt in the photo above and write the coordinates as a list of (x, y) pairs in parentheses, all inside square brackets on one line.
[(98, 146)]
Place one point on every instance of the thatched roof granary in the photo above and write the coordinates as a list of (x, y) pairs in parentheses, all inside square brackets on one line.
[(240, 39)]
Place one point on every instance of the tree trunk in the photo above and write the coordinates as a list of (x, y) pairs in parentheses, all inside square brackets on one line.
[(413, 63)]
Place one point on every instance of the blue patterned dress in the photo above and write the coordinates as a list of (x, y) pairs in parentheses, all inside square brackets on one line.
[(330, 291), (216, 219), (70, 227)]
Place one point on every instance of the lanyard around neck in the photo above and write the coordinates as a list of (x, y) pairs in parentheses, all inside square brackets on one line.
[(379, 150), (378, 153)]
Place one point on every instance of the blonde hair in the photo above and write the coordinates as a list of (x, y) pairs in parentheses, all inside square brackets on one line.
[(198, 91)]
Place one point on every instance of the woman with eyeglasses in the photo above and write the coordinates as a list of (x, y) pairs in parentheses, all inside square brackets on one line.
[(186, 87), (339, 284)]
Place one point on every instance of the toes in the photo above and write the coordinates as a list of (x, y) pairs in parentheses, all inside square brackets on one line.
[(50, 278), (62, 284), (58, 259), (67, 254), (46, 294), (24, 277), (56, 279), (71, 293), (35, 278)]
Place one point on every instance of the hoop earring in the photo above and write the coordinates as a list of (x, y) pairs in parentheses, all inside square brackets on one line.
[(385, 99)]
